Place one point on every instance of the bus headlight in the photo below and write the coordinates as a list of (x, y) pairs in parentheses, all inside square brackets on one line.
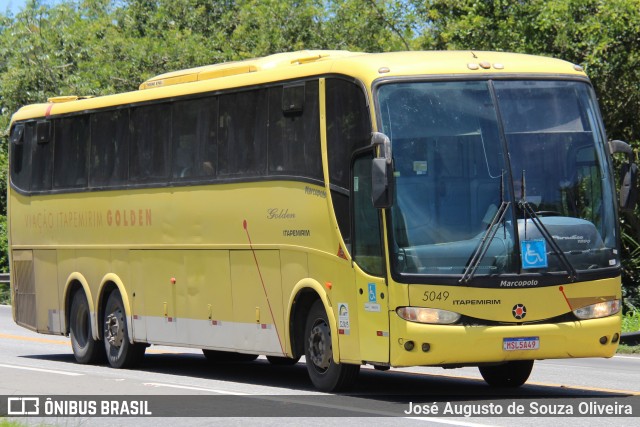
[(601, 309), (428, 315)]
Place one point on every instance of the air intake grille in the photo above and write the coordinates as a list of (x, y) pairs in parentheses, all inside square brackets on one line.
[(24, 289)]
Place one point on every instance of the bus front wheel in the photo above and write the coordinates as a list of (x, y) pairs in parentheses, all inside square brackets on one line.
[(120, 352), (509, 374), (326, 375), (86, 350)]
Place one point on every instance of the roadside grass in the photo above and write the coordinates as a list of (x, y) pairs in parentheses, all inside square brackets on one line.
[(628, 349), (5, 298), (631, 322), (7, 423)]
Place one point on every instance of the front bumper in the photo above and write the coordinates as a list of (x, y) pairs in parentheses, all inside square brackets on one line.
[(460, 345)]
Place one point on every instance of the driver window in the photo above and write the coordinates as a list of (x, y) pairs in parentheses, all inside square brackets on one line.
[(367, 236)]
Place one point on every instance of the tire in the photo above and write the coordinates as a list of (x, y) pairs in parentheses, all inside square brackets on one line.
[(121, 354), (509, 374), (282, 361), (228, 356), (325, 374), (86, 350)]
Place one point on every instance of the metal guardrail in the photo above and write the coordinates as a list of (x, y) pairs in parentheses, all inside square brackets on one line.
[(4, 278), (630, 338)]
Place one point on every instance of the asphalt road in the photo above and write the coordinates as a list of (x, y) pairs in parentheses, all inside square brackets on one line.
[(181, 387)]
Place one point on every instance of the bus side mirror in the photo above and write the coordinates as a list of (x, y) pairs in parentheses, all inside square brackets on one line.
[(629, 181), (382, 172), (381, 194), (629, 187)]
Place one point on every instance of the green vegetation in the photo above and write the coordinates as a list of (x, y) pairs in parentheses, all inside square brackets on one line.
[(628, 349), (97, 47), (8, 423), (5, 296), (631, 322)]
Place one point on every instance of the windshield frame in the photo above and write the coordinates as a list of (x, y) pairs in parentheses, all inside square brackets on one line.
[(533, 279)]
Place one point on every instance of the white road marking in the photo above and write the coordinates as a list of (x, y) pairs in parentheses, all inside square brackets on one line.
[(49, 371), (185, 387), (617, 356), (449, 422)]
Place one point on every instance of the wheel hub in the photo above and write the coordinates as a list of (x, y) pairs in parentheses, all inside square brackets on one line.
[(320, 349), (115, 332)]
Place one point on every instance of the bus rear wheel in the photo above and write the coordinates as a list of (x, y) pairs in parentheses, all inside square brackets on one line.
[(326, 375), (509, 374), (121, 353), (86, 350)]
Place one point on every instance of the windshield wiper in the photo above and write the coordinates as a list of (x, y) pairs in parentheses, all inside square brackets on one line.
[(487, 237), (528, 210)]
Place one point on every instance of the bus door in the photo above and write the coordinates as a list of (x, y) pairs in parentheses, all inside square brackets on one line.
[(367, 250)]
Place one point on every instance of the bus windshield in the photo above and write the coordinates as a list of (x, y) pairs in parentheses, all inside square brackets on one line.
[(507, 175)]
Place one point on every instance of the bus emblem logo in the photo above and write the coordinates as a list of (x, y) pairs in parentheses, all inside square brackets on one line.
[(519, 311)]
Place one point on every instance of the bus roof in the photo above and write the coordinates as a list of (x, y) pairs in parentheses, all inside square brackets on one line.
[(366, 67)]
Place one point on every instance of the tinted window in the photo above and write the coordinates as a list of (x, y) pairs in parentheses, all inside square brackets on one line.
[(71, 152), (21, 140), (294, 131), (367, 245), (256, 133), (194, 139), (348, 127), (242, 134), (109, 148), (149, 154), (41, 156)]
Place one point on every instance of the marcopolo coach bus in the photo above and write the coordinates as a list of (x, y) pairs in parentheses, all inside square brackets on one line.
[(419, 208)]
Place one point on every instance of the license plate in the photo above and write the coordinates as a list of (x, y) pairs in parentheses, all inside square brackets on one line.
[(521, 343)]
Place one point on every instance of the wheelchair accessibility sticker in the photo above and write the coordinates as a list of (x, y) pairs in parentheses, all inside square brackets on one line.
[(534, 253), (372, 292)]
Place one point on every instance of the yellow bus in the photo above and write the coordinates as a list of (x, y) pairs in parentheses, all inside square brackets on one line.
[(396, 209)]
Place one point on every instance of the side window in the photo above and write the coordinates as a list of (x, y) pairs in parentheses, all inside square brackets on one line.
[(22, 136), (109, 148), (348, 128), (194, 139), (242, 134), (581, 197), (294, 131), (367, 237), (149, 150), (41, 157), (71, 151)]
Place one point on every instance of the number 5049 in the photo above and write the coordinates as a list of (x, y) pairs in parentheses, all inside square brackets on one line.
[(435, 296)]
